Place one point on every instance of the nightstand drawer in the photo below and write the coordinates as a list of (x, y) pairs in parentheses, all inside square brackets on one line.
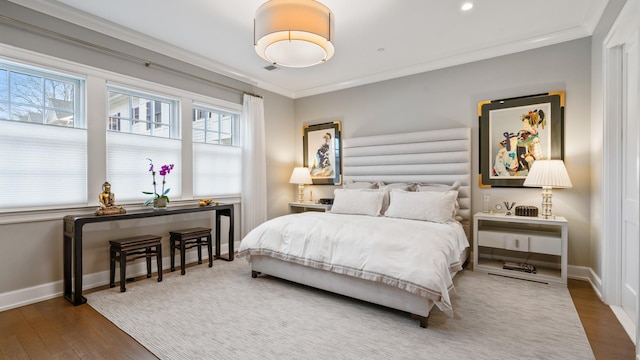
[(545, 245), (503, 240), (516, 242), (494, 239)]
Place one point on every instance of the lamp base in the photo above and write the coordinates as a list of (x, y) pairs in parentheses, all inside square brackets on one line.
[(546, 202), (300, 193)]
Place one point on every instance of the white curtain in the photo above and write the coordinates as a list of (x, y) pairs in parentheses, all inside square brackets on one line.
[(254, 164)]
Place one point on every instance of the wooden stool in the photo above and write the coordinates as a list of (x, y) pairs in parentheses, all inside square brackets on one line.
[(186, 239), (139, 247)]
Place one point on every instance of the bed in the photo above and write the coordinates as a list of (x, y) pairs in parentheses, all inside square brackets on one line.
[(379, 243)]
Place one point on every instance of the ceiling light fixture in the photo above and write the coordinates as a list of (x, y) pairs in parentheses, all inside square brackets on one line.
[(466, 6), (294, 33)]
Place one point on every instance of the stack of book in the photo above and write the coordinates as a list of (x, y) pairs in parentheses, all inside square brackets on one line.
[(528, 268)]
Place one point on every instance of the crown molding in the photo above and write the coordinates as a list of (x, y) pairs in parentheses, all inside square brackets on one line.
[(453, 60), (94, 23)]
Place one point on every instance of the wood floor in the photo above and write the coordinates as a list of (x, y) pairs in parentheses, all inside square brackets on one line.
[(607, 337), (55, 329)]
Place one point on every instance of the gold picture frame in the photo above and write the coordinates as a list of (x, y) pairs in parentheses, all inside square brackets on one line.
[(323, 153), (517, 131)]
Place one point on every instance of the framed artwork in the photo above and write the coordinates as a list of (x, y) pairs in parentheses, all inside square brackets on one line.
[(322, 153), (516, 132)]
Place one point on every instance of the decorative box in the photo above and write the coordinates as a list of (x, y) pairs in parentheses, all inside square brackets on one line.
[(526, 210)]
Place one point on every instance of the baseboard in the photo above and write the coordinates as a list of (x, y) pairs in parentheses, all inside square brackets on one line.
[(586, 274), (34, 294)]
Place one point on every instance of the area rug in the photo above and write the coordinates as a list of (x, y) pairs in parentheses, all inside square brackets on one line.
[(222, 313)]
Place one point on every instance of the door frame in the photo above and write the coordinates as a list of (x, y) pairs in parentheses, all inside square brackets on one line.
[(623, 28)]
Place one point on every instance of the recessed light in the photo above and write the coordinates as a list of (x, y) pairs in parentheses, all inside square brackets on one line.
[(466, 6)]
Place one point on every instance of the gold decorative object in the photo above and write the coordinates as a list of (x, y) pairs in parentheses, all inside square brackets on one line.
[(107, 202), (206, 202)]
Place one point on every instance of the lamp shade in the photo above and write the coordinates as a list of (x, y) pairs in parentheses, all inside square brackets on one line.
[(300, 175), (548, 173), (294, 33)]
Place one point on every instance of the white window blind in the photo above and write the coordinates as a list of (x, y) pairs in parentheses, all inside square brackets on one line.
[(217, 170), (128, 167), (42, 165)]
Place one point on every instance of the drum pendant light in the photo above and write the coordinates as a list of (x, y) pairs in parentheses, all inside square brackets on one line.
[(294, 33)]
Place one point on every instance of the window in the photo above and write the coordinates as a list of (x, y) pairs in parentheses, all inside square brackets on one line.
[(50, 161), (35, 96), (43, 140), (213, 126), (217, 157), (147, 128), (138, 111)]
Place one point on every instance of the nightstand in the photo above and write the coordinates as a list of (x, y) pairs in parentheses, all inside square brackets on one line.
[(298, 207), (498, 238)]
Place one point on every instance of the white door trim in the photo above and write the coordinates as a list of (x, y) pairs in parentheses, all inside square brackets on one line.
[(623, 28), (611, 194)]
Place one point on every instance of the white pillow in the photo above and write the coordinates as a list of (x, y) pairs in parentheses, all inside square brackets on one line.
[(402, 186), (359, 185), (439, 187), (388, 187), (435, 206), (357, 202)]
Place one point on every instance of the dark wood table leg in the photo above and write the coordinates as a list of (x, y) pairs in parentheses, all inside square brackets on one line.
[(172, 252), (68, 294), (210, 249), (183, 258), (78, 299), (123, 270), (159, 261), (219, 213), (148, 258)]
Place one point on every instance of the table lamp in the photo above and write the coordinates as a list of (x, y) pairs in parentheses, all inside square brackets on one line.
[(300, 176), (547, 174)]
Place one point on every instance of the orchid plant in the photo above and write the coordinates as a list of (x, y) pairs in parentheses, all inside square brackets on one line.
[(164, 171)]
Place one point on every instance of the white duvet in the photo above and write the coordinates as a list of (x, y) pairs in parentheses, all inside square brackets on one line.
[(417, 256)]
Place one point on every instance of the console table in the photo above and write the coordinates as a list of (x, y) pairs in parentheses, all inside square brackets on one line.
[(72, 232)]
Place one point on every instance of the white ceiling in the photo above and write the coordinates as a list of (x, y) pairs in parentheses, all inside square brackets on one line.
[(375, 39)]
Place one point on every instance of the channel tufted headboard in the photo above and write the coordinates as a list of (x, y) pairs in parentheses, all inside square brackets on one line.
[(437, 156)]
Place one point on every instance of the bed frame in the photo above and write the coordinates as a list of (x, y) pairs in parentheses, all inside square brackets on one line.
[(438, 156)]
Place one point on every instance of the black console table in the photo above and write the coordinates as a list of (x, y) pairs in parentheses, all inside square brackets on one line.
[(72, 233)]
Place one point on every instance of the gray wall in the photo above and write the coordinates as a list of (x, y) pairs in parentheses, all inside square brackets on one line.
[(449, 98)]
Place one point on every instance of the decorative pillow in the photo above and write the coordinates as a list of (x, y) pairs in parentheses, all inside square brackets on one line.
[(388, 187), (359, 185), (435, 206), (401, 186), (439, 187), (357, 202)]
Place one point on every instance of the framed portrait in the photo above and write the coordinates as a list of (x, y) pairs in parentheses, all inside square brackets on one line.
[(322, 153), (516, 132)]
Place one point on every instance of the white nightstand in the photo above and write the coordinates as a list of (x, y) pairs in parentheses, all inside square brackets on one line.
[(521, 239), (298, 207)]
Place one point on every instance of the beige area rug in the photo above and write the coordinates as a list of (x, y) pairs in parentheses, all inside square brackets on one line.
[(222, 313)]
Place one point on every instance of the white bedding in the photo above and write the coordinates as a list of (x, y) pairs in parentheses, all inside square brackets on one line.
[(417, 256)]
